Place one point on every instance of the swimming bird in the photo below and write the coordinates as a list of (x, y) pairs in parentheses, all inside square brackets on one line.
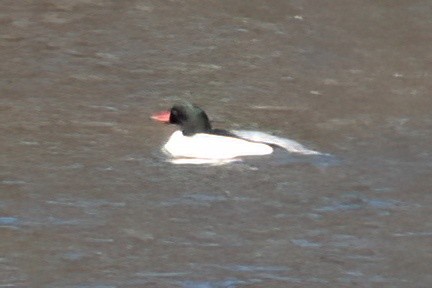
[(196, 138)]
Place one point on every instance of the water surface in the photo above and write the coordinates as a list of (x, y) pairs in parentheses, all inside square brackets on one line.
[(88, 200)]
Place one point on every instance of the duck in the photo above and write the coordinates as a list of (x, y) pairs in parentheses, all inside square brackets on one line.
[(197, 139)]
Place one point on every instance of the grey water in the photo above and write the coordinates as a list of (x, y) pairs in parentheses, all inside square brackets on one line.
[(87, 199)]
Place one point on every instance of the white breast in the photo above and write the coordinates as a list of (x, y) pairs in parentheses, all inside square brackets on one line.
[(208, 146)]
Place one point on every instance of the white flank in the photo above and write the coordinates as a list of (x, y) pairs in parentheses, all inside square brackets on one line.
[(287, 144), (199, 161), (208, 146)]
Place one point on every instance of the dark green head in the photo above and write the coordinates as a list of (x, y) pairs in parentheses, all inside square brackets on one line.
[(189, 117)]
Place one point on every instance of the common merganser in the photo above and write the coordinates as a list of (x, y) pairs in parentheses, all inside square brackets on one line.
[(197, 139)]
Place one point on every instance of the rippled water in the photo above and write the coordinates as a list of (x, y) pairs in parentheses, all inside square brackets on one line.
[(88, 200)]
